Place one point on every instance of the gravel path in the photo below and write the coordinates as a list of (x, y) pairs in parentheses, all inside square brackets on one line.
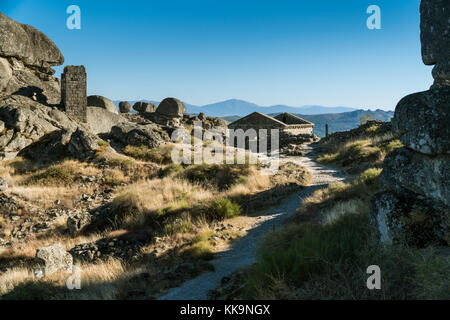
[(243, 251)]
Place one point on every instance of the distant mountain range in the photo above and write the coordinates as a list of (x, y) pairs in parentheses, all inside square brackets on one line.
[(235, 107)]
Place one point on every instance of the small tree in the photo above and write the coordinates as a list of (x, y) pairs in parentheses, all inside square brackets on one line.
[(364, 119)]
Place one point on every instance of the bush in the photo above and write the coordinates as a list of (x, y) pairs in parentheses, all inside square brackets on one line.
[(222, 176), (370, 176), (161, 155), (55, 175), (170, 170), (391, 146), (224, 208)]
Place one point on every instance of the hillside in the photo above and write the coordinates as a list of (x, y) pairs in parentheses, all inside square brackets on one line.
[(344, 121)]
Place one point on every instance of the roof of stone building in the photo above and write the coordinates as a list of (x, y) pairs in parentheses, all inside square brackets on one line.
[(253, 117), (276, 121), (292, 119)]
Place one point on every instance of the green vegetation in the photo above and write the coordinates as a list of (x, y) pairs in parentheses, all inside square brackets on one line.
[(171, 170), (225, 208), (328, 260), (161, 155), (59, 174), (222, 176), (368, 149)]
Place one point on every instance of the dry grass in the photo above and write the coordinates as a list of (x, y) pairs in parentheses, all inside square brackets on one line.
[(354, 156), (45, 196), (101, 281)]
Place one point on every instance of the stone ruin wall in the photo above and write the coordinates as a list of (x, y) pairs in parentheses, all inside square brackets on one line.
[(299, 129), (73, 92)]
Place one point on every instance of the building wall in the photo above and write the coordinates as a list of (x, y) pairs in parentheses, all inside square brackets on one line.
[(73, 92), (296, 131)]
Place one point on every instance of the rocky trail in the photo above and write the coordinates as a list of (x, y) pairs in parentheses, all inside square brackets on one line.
[(243, 252)]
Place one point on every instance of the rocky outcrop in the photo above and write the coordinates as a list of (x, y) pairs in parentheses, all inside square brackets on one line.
[(435, 38), (102, 102), (83, 144), (27, 121), (427, 131), (53, 259), (27, 44), (413, 206), (144, 107), (131, 134), (124, 107), (26, 58), (171, 107)]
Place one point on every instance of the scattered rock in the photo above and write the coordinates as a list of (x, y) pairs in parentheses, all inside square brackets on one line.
[(124, 107), (3, 184), (144, 107), (76, 224), (171, 107), (53, 259), (83, 144)]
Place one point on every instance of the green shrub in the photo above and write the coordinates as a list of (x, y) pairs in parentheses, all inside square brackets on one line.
[(391, 146), (53, 175), (170, 170), (225, 208), (370, 176), (201, 250), (161, 155), (222, 176), (373, 130)]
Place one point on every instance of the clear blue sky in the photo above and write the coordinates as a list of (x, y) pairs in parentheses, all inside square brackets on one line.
[(303, 52)]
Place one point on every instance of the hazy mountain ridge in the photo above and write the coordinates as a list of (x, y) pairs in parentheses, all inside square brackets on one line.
[(241, 108)]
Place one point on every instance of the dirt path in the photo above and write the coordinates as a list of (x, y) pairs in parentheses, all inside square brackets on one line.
[(243, 251)]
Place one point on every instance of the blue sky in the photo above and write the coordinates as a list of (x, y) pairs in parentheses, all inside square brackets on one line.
[(310, 52)]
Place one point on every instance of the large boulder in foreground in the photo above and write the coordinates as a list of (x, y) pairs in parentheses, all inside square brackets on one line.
[(435, 38), (422, 174), (102, 102), (26, 58), (428, 131), (27, 44), (409, 218), (413, 205), (53, 259), (171, 107)]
